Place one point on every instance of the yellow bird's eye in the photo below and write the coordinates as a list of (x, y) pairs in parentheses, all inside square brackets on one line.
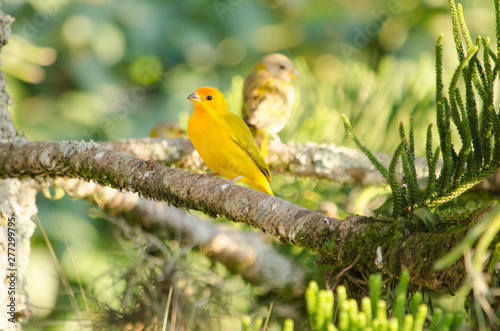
[(282, 67), (209, 98)]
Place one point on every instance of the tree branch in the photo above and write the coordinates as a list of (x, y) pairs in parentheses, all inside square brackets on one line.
[(17, 207), (320, 161), (338, 242), (244, 253)]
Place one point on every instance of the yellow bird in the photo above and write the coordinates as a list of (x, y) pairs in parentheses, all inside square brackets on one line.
[(224, 142), (268, 96)]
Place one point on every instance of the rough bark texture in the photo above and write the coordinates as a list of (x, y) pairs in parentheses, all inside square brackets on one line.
[(402, 244), (245, 253), (17, 203)]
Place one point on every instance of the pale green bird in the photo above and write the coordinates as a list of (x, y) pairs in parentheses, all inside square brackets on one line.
[(268, 96)]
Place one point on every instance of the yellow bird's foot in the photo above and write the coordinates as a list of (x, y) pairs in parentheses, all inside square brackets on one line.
[(275, 136), (211, 175), (234, 180)]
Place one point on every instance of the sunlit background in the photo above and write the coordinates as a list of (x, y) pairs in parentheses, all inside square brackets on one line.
[(112, 69)]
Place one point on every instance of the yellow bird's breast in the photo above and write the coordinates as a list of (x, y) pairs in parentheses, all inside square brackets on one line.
[(212, 139)]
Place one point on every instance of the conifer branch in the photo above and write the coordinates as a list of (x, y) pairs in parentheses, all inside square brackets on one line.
[(430, 158), (397, 191), (456, 32), (474, 160), (366, 151), (497, 23), (463, 26)]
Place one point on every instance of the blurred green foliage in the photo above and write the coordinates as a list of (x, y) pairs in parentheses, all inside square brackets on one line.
[(408, 313), (112, 69)]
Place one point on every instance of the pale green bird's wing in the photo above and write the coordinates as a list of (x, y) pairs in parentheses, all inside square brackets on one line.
[(252, 96), (241, 135), (266, 101)]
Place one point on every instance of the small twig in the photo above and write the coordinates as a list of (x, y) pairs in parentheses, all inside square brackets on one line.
[(359, 282), (174, 310), (349, 267), (64, 279), (165, 318), (268, 316), (73, 264)]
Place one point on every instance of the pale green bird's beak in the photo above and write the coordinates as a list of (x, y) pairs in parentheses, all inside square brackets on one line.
[(294, 74)]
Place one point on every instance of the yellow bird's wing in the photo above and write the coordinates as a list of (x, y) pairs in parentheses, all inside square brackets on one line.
[(241, 135)]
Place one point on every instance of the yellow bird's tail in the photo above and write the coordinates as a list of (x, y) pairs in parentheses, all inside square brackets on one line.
[(262, 185)]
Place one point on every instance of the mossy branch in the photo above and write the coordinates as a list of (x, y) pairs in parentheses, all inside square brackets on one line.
[(336, 241)]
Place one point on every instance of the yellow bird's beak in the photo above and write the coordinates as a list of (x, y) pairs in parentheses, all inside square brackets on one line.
[(194, 97)]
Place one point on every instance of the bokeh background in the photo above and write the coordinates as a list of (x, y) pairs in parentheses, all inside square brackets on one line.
[(112, 69)]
